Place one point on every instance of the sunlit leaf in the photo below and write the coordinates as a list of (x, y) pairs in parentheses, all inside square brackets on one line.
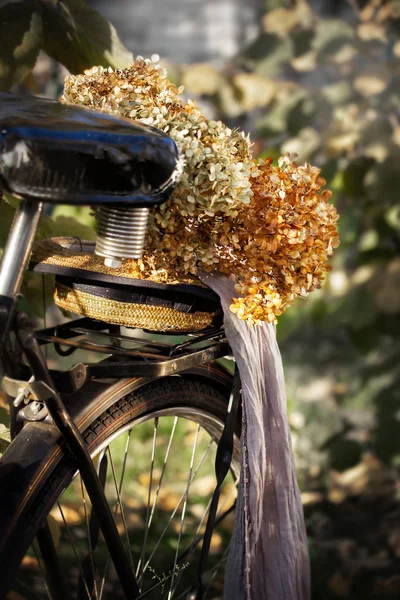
[(372, 81), (254, 91), (385, 12), (372, 31), (21, 30), (367, 13), (305, 62), (378, 151), (201, 78), (342, 142), (229, 101), (396, 49), (345, 54), (280, 21), (368, 241), (79, 37), (304, 145), (392, 216)]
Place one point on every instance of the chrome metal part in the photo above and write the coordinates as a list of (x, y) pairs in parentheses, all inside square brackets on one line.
[(121, 233), (37, 390), (35, 411), (23, 395), (19, 246), (78, 376)]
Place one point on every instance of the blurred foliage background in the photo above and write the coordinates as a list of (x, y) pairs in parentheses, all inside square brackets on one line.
[(320, 79)]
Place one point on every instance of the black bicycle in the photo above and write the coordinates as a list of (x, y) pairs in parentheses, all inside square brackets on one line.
[(108, 488)]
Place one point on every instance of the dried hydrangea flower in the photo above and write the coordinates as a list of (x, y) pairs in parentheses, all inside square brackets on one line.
[(218, 159), (270, 228), (286, 236)]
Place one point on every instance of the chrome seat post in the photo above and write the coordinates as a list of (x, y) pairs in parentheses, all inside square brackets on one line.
[(19, 246)]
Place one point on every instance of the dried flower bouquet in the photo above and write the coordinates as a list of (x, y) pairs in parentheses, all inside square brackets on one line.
[(270, 228)]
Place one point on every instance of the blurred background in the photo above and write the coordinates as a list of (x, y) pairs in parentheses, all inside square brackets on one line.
[(320, 78)]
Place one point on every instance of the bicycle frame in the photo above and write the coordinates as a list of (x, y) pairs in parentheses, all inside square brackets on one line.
[(44, 384)]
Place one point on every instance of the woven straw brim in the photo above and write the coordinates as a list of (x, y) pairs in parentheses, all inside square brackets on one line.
[(55, 252), (144, 316)]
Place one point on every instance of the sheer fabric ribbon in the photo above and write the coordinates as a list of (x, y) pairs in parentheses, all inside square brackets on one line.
[(268, 558)]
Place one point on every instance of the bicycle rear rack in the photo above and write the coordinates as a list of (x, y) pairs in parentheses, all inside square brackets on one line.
[(139, 355)]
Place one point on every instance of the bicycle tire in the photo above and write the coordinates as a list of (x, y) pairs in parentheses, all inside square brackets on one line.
[(192, 398)]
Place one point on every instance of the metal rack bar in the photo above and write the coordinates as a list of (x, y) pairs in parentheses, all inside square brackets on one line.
[(160, 368), (149, 357)]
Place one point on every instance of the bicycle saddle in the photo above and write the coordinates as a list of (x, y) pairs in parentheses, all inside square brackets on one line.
[(74, 155)]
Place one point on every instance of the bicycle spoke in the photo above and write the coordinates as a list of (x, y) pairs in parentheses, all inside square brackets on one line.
[(36, 553), (91, 556), (176, 419), (119, 503), (176, 508), (198, 538), (108, 559), (184, 511), (74, 549), (147, 522)]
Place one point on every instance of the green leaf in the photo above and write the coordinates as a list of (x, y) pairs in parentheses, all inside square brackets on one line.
[(302, 40), (21, 30), (331, 34), (269, 54), (79, 37), (10, 199), (354, 174), (6, 218), (276, 119), (383, 180), (5, 439), (365, 339), (344, 454), (340, 92), (392, 217), (67, 226)]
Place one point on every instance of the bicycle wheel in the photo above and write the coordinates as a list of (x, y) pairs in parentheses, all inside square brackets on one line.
[(154, 449)]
